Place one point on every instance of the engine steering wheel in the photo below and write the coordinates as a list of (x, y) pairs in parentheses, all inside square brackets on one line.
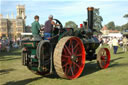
[(60, 27)]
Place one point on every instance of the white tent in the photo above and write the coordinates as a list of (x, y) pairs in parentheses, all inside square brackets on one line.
[(115, 35)]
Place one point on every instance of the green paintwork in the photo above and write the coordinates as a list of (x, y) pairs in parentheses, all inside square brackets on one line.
[(60, 36), (34, 68), (33, 51), (31, 44)]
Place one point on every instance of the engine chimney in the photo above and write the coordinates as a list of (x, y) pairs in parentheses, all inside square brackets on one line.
[(90, 17)]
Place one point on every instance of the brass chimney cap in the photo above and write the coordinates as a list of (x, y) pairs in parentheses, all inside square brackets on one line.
[(90, 8)]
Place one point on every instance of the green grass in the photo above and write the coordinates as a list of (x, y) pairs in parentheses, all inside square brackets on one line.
[(12, 72)]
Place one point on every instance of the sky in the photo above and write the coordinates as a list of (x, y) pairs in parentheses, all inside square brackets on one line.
[(67, 10)]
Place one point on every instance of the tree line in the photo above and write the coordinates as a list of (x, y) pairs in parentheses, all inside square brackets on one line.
[(111, 25), (97, 19)]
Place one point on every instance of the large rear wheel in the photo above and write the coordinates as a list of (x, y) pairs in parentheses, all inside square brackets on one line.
[(69, 57)]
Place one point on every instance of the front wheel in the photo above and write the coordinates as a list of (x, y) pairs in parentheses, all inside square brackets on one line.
[(103, 58)]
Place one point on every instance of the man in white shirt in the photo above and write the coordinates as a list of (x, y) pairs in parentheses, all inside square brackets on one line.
[(115, 45)]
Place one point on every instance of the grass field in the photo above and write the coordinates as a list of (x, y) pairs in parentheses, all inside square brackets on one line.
[(12, 72)]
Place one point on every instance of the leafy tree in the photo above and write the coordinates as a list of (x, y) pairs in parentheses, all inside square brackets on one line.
[(124, 27), (111, 25), (97, 19), (71, 24), (119, 28), (125, 16)]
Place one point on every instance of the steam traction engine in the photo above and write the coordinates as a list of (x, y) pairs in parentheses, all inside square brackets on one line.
[(66, 52)]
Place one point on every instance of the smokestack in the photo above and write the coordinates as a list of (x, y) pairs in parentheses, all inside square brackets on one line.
[(90, 17)]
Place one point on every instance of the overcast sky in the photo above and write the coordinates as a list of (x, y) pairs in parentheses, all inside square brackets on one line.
[(65, 10)]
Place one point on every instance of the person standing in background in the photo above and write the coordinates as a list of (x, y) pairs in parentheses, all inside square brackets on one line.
[(125, 41), (110, 43), (115, 45)]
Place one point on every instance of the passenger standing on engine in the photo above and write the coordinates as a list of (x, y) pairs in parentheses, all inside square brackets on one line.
[(36, 28), (49, 27)]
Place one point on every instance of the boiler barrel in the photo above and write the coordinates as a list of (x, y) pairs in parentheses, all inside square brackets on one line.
[(91, 43)]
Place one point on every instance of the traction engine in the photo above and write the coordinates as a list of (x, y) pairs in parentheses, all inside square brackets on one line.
[(65, 52)]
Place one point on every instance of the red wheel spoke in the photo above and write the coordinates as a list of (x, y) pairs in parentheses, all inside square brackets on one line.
[(73, 65), (67, 49), (78, 54), (72, 71), (65, 64), (102, 57), (69, 69), (63, 60), (70, 43), (72, 49), (74, 68), (65, 70), (106, 58), (76, 46), (108, 61), (76, 64), (71, 46), (104, 61), (76, 51), (66, 56)]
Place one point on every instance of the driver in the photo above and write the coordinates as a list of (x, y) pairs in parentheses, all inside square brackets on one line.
[(49, 27)]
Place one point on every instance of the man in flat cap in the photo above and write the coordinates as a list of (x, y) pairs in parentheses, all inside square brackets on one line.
[(49, 27)]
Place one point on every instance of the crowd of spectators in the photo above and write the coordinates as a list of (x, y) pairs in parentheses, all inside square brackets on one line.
[(115, 42), (6, 44)]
